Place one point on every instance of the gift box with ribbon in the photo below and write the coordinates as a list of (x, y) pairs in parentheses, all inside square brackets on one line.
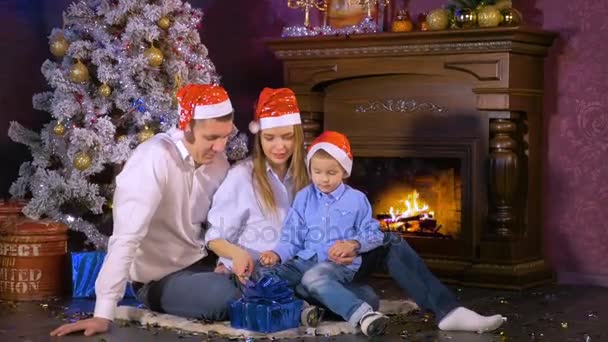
[(266, 306), (85, 268)]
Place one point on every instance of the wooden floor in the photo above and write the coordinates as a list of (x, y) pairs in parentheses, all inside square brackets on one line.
[(554, 313)]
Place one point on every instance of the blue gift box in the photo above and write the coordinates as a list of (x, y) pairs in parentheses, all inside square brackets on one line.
[(266, 306), (85, 268)]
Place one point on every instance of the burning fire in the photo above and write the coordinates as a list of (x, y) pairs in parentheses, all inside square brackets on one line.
[(413, 216), (412, 208)]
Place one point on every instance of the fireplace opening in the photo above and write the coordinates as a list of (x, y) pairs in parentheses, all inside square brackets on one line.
[(419, 197)]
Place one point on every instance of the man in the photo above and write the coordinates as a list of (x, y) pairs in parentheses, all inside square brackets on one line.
[(162, 197)]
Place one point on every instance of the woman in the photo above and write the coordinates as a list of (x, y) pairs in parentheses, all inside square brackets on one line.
[(249, 207)]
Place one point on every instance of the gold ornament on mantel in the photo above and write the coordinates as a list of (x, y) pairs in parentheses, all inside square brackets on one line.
[(488, 16), (59, 46), (511, 17), (104, 90), (59, 129), (82, 161), (164, 23), (438, 19), (154, 55), (465, 18), (79, 72), (145, 134)]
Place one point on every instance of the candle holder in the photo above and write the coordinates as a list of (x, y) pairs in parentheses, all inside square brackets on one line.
[(369, 4), (307, 5)]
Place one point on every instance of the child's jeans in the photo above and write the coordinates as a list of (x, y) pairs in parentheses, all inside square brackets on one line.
[(325, 282)]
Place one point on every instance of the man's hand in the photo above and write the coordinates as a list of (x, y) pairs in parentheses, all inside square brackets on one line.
[(269, 258), (343, 252), (242, 265), (90, 327)]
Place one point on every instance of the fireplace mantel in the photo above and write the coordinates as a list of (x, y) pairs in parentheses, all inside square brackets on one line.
[(472, 93)]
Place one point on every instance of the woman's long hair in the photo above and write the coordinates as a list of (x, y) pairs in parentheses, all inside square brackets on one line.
[(296, 169)]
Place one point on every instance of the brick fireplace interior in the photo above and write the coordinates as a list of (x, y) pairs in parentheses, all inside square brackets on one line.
[(446, 130)]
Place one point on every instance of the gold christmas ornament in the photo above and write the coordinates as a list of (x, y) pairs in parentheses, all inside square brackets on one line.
[(59, 46), (59, 129), (121, 138), (104, 90), (79, 72), (154, 56), (465, 18), (488, 16), (82, 161), (438, 19), (164, 23), (511, 17), (145, 134)]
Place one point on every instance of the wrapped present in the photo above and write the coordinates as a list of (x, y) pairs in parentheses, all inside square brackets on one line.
[(85, 268), (266, 306)]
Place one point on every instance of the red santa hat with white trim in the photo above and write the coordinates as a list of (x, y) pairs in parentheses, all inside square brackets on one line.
[(337, 145), (201, 101), (275, 108)]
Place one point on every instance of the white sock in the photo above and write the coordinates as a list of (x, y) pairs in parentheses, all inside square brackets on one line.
[(463, 319)]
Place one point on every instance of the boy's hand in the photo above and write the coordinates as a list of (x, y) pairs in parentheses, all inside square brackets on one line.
[(269, 258), (343, 252)]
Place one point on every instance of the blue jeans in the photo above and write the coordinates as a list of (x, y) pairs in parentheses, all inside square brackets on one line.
[(325, 282), (198, 292), (411, 274), (194, 292)]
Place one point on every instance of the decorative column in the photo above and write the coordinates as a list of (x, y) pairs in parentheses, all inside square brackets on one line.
[(503, 178)]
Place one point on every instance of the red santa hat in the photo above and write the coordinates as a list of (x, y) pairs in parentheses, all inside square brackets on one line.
[(275, 108), (337, 145), (201, 101)]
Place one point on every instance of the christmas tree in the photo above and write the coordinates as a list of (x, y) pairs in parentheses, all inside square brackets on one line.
[(116, 68)]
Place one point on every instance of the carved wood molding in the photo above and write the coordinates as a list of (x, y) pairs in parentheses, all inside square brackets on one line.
[(399, 106), (414, 49), (482, 70)]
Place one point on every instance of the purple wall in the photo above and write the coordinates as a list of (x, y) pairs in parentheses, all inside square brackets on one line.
[(576, 108)]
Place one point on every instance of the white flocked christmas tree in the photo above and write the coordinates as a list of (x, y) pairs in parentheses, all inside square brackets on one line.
[(116, 68)]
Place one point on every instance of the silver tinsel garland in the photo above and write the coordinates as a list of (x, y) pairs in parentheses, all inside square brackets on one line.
[(367, 25)]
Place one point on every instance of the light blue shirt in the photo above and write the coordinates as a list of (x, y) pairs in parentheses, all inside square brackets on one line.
[(317, 220)]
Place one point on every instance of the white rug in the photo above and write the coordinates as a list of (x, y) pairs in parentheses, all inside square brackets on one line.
[(326, 328)]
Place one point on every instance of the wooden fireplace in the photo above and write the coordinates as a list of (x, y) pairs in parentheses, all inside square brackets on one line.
[(472, 98)]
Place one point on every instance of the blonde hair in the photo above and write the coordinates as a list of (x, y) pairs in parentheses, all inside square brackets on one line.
[(297, 170)]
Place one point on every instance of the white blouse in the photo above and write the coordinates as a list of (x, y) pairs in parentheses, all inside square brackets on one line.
[(236, 213)]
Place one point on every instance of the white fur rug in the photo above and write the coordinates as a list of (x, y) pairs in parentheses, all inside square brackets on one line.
[(326, 328)]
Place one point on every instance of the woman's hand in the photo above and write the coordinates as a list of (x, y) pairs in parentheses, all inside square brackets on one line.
[(242, 265), (343, 252), (269, 258), (221, 268)]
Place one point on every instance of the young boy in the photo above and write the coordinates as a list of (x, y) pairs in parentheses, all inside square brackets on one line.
[(323, 213)]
